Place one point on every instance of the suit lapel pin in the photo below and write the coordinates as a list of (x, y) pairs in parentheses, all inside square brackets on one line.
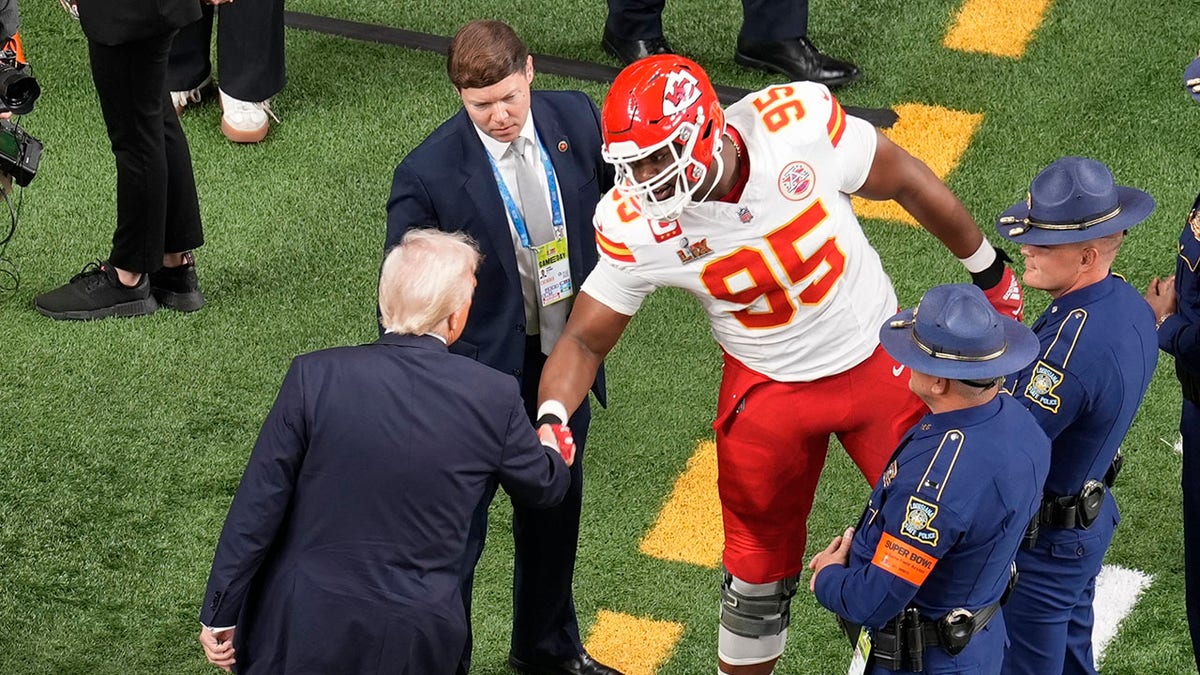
[(562, 145)]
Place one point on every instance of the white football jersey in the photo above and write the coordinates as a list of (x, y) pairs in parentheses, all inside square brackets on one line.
[(792, 287)]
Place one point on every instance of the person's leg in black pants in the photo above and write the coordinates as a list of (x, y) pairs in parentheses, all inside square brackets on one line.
[(1189, 427), (157, 207), (544, 624), (774, 38), (634, 30), (189, 65), (250, 49), (158, 217)]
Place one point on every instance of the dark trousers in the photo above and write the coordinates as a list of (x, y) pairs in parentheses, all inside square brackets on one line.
[(1189, 427), (1049, 614), (250, 55), (157, 209), (545, 541), (762, 20)]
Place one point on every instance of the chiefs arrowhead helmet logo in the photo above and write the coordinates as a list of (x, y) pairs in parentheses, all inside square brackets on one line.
[(680, 92)]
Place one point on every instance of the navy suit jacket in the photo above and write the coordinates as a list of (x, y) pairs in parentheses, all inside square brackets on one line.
[(447, 183), (343, 548)]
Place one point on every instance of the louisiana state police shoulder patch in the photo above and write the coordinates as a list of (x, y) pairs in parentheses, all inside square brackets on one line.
[(918, 524), (1042, 383)]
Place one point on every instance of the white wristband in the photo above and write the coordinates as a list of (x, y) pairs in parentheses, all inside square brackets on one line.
[(980, 260), (555, 408)]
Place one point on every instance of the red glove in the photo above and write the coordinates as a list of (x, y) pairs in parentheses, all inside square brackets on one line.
[(558, 436), (1007, 296)]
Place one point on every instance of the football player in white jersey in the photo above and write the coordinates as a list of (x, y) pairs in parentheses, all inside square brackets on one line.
[(749, 211)]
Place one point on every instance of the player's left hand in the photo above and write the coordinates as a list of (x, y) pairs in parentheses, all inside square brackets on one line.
[(1007, 296), (836, 553)]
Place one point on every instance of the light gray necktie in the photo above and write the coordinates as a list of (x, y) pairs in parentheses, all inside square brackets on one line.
[(538, 224)]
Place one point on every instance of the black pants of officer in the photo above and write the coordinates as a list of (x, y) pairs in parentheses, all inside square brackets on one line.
[(250, 54), (1189, 427), (762, 20), (545, 541), (157, 209)]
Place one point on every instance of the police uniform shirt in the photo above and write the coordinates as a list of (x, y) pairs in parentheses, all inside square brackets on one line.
[(945, 520), (1098, 352)]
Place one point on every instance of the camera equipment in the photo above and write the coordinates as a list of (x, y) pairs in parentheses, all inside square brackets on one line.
[(18, 89), (20, 153)]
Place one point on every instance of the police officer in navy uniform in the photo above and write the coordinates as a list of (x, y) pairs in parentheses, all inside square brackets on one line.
[(927, 566), (1176, 302), (1098, 352)]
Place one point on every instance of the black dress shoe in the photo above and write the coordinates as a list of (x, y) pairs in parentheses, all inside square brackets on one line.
[(797, 59), (581, 664), (628, 51)]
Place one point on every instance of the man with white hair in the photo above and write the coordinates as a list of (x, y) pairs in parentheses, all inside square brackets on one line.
[(342, 551)]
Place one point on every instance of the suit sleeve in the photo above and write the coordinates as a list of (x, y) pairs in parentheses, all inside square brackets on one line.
[(532, 474), (260, 504)]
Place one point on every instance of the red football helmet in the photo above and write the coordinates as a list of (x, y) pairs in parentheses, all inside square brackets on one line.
[(663, 101)]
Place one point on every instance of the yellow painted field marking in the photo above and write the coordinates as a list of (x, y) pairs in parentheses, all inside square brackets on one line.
[(998, 27), (938, 136), (632, 645), (689, 526)]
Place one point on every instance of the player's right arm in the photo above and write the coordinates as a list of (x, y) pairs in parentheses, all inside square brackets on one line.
[(589, 335)]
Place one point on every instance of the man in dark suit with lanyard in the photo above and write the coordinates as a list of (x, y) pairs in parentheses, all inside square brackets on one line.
[(521, 172), (158, 216)]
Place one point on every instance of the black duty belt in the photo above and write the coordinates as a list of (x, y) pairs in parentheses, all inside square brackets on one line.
[(901, 643), (1079, 511)]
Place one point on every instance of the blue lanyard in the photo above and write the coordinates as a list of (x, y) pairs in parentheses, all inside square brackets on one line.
[(518, 222)]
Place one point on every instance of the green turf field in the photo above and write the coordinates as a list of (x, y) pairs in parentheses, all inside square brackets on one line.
[(122, 441)]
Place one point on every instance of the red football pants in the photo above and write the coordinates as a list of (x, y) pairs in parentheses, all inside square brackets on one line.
[(772, 439)]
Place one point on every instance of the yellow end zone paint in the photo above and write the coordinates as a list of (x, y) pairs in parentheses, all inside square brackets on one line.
[(689, 526), (937, 136), (632, 645), (998, 27)]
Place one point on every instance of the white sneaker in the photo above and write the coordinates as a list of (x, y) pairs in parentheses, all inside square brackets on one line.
[(181, 99), (245, 121)]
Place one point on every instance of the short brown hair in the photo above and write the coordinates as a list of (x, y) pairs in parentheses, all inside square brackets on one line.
[(484, 52)]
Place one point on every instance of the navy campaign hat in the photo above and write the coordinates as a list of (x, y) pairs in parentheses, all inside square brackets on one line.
[(1072, 200), (955, 332), (1191, 78)]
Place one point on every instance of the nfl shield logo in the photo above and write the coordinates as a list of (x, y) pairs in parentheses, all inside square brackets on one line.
[(744, 215)]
